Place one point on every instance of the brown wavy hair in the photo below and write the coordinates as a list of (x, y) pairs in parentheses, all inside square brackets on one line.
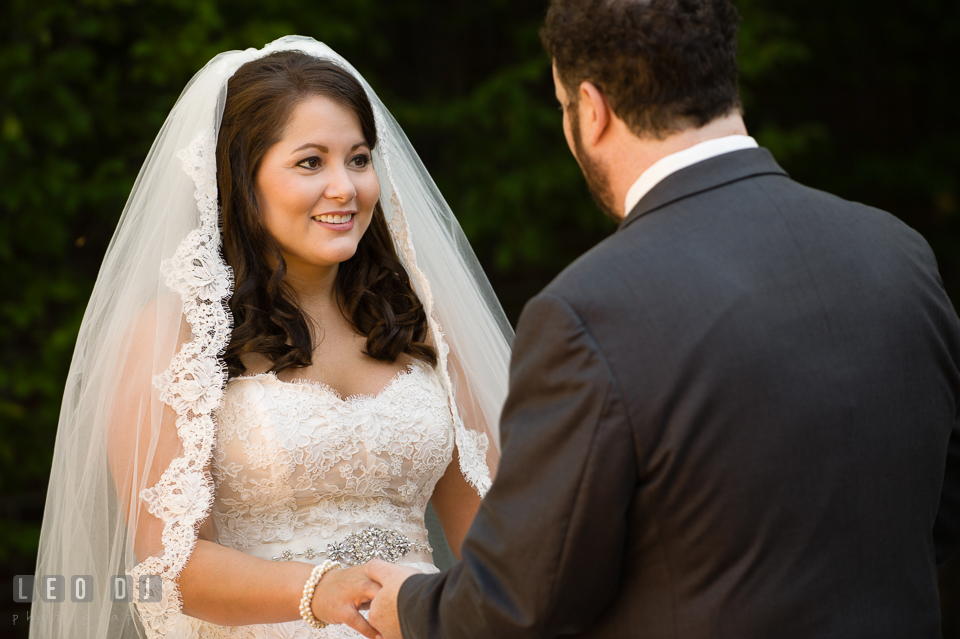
[(664, 65), (373, 288)]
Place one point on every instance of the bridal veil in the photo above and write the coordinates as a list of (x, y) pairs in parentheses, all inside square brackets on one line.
[(130, 487)]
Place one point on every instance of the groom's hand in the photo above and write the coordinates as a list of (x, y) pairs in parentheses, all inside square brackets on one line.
[(383, 608), (340, 596)]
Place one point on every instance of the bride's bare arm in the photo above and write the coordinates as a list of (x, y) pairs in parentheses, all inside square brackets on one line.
[(230, 588), (456, 503)]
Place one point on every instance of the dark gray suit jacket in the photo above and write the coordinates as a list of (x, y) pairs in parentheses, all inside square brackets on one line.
[(734, 418)]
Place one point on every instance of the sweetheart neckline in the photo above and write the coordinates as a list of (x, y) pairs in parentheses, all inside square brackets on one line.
[(326, 389)]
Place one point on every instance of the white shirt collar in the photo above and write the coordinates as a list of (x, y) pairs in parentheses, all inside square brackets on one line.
[(681, 160)]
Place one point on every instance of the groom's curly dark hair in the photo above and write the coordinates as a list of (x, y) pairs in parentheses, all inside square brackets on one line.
[(664, 65)]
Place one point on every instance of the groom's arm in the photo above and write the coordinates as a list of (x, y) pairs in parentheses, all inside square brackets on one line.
[(544, 554), (946, 530)]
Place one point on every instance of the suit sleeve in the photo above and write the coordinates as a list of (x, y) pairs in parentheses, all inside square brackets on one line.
[(544, 554), (946, 530)]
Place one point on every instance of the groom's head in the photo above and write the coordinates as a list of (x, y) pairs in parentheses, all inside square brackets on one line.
[(658, 68)]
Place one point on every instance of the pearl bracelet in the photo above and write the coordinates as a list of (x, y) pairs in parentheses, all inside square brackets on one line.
[(305, 610)]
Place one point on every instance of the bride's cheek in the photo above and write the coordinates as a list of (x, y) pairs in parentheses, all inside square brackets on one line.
[(369, 190)]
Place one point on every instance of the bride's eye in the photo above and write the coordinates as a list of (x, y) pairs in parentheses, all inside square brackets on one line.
[(310, 163), (360, 161)]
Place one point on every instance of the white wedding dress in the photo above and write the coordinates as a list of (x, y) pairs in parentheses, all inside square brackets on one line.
[(298, 467)]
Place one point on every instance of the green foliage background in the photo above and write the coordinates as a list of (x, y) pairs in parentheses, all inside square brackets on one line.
[(853, 97)]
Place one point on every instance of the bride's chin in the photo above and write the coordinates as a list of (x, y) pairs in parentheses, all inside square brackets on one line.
[(333, 256)]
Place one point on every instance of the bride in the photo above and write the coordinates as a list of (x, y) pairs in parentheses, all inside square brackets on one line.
[(289, 351)]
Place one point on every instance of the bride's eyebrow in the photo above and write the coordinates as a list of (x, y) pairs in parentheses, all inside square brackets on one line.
[(323, 149)]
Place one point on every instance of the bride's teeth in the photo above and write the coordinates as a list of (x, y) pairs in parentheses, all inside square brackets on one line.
[(333, 219)]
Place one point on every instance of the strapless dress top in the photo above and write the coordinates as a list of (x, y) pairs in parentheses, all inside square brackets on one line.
[(297, 467)]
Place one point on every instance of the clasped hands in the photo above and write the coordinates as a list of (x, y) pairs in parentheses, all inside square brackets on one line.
[(342, 594)]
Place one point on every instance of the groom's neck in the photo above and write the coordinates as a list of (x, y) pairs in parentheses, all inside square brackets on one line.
[(629, 155)]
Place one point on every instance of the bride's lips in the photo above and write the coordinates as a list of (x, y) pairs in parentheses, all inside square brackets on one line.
[(336, 226)]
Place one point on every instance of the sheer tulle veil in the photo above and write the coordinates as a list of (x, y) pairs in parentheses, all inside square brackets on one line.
[(130, 484)]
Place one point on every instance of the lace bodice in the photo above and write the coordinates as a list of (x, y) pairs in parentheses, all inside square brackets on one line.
[(296, 466)]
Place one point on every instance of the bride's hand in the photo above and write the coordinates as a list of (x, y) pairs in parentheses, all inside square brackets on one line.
[(340, 596)]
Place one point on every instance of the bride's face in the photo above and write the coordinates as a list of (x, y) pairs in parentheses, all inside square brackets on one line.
[(316, 187)]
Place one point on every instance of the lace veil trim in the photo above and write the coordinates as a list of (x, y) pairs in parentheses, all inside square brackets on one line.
[(471, 445), (193, 386)]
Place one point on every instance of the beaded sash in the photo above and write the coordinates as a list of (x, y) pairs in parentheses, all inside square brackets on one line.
[(361, 547)]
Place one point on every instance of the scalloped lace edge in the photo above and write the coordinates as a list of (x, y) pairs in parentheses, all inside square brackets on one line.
[(471, 445), (193, 386)]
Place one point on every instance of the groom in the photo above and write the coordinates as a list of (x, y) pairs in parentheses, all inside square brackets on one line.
[(734, 418)]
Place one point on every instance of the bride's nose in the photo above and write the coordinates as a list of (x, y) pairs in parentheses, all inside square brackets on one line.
[(341, 186)]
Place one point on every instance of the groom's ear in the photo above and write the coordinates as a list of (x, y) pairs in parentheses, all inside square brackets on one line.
[(595, 113)]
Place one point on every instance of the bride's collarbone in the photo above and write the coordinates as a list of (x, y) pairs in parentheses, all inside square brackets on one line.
[(349, 373), (344, 368)]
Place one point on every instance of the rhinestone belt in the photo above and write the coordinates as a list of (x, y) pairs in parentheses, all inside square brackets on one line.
[(361, 547)]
